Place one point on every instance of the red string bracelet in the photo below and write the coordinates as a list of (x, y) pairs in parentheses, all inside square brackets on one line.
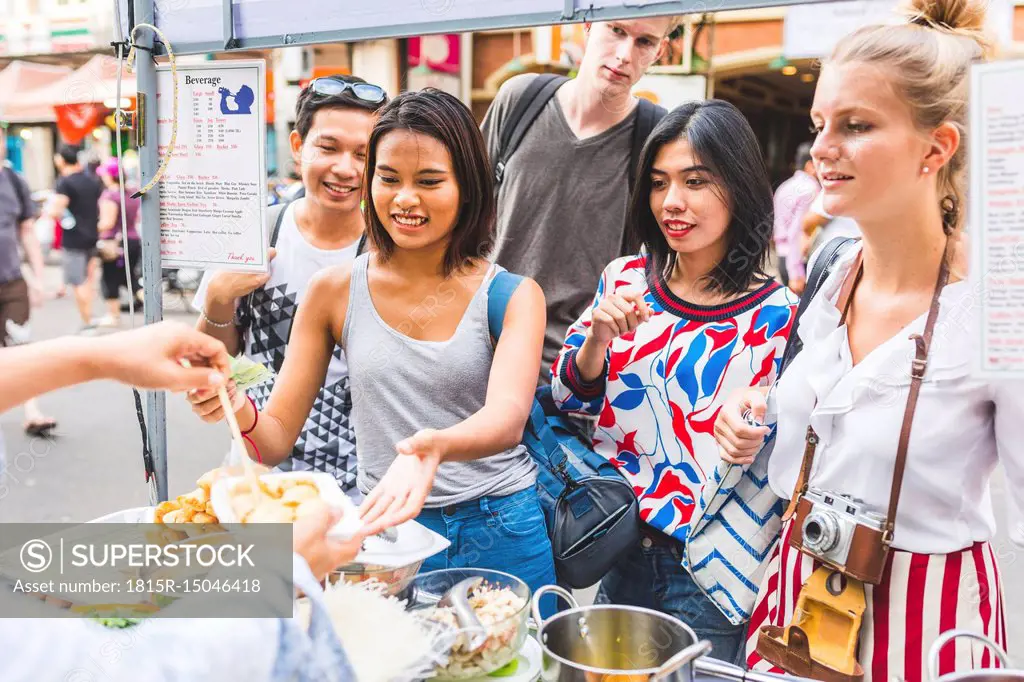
[(256, 412), (245, 434), (259, 459)]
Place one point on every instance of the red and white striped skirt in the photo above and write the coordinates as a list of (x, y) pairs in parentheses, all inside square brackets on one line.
[(920, 597)]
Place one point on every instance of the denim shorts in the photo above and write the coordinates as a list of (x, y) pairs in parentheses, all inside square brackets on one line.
[(652, 576), (505, 534)]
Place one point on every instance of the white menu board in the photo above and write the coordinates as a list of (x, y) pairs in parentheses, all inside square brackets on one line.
[(214, 193), (996, 227)]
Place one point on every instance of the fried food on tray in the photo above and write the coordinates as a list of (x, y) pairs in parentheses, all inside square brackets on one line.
[(195, 506), (278, 501)]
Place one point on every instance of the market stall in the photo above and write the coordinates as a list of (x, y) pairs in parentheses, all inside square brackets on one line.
[(78, 101), (584, 643)]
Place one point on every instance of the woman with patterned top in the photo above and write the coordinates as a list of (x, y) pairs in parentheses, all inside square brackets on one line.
[(671, 332)]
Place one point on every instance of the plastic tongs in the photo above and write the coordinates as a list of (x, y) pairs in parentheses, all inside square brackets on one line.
[(458, 599)]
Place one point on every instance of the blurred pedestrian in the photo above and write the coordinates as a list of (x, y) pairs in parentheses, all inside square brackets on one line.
[(78, 194), (792, 200), (19, 295), (116, 261)]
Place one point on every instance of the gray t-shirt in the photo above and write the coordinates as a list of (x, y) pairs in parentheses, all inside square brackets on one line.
[(402, 385), (14, 208), (561, 207)]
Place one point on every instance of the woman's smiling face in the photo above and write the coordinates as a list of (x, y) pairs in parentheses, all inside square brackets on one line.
[(414, 189)]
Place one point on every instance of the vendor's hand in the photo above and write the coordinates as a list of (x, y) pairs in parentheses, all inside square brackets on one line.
[(404, 488), (618, 313), (310, 541), (150, 357), (738, 441), (225, 287), (206, 402)]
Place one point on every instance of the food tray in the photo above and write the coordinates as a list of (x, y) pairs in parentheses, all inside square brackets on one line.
[(133, 515), (330, 493), (414, 543)]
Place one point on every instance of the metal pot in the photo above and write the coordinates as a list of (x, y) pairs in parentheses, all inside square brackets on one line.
[(611, 643), (1004, 674)]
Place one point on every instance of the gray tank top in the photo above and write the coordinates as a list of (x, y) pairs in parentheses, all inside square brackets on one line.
[(401, 385)]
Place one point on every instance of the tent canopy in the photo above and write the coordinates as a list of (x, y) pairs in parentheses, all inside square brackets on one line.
[(19, 80), (95, 82)]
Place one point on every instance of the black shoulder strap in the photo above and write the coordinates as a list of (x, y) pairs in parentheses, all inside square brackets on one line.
[(276, 230), (830, 253), (647, 116), (244, 314), (533, 100)]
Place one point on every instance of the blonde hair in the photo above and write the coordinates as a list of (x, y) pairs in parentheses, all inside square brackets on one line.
[(929, 59)]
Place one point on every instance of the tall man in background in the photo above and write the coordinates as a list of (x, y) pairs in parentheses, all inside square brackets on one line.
[(563, 194)]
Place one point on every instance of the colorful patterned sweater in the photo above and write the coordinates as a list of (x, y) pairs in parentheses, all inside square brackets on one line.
[(666, 381)]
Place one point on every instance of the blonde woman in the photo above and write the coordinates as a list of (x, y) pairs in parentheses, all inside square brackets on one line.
[(890, 113)]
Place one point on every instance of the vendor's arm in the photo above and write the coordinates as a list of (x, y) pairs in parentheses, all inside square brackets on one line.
[(496, 427), (315, 334), (148, 357)]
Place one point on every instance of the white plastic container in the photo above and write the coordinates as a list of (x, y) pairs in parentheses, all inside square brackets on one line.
[(330, 493), (133, 515)]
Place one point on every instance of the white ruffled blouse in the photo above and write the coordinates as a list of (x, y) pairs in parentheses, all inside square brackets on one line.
[(962, 428)]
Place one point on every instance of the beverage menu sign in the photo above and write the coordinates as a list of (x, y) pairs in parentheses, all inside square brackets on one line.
[(996, 226), (214, 193)]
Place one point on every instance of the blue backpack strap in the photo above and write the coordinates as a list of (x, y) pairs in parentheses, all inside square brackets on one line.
[(499, 293)]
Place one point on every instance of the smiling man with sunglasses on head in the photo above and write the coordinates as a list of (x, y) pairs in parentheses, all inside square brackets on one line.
[(253, 313)]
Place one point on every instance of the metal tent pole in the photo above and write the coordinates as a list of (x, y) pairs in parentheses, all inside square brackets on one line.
[(152, 275)]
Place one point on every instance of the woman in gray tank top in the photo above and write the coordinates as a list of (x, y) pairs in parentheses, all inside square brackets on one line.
[(438, 407)]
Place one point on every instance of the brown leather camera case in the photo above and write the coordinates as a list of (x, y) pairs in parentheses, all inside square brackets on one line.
[(868, 553)]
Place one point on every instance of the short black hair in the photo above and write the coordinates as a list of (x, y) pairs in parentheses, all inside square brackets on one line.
[(310, 102), (443, 117), (721, 139), (803, 155), (69, 153)]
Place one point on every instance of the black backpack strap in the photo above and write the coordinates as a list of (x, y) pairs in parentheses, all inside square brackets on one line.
[(533, 100), (276, 230), (830, 253), (361, 246), (648, 114)]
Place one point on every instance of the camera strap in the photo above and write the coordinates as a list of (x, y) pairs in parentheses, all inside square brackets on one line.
[(922, 344)]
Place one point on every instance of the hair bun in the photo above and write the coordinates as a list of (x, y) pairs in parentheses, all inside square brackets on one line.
[(961, 16)]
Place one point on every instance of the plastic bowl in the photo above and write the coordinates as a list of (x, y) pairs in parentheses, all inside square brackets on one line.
[(394, 579), (505, 638)]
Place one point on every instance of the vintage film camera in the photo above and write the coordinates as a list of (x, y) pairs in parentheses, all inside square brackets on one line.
[(840, 532)]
